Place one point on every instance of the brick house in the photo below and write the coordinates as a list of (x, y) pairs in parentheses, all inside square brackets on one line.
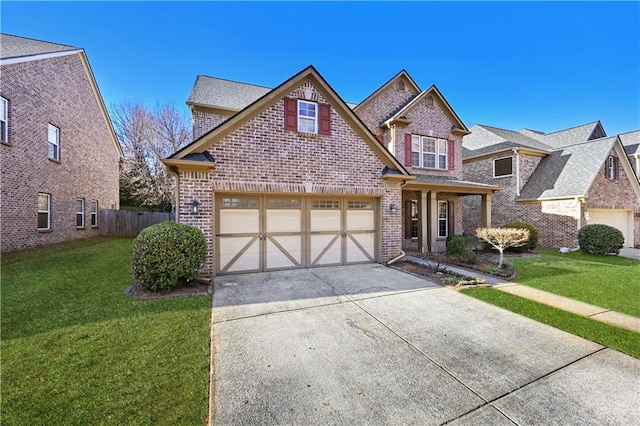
[(295, 177), (60, 155), (558, 181)]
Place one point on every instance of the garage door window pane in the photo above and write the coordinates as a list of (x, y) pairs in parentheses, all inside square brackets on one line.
[(325, 204), (284, 203), (239, 203), (360, 205)]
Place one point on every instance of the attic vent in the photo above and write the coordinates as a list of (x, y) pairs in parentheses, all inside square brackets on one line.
[(400, 85), (430, 101)]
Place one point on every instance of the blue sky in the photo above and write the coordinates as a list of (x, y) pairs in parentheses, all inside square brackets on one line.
[(540, 65)]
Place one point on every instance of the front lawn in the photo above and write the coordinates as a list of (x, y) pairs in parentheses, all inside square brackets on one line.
[(596, 331), (607, 281), (75, 350)]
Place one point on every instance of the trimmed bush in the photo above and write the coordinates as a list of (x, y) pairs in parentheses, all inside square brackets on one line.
[(600, 239), (533, 232), (167, 254), (460, 247)]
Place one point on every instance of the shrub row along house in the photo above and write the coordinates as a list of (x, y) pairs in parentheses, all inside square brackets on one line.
[(295, 177), (60, 154), (558, 181)]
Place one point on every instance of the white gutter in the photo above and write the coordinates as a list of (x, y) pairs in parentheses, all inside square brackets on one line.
[(395, 259), (38, 56), (517, 158)]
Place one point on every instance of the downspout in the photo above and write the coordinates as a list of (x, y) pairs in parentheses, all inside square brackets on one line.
[(176, 193), (395, 259), (516, 156)]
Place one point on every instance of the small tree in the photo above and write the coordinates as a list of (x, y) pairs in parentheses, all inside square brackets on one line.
[(503, 238)]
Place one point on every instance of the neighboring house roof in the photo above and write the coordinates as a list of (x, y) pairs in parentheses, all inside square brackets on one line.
[(488, 139), (573, 135), (185, 156), (225, 94), (568, 171), (459, 125), (14, 47), (631, 142)]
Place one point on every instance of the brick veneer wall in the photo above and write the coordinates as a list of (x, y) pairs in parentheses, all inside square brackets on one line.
[(386, 103), (203, 121), (261, 157), (56, 91)]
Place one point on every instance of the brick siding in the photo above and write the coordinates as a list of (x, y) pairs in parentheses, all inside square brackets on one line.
[(204, 121), (56, 91)]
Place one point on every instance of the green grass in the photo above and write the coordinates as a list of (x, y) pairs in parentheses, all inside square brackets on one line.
[(76, 350), (604, 334), (607, 281)]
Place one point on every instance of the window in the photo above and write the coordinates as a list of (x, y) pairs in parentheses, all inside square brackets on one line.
[(283, 203), (400, 86), (44, 211), (4, 120), (94, 213), (443, 219), (430, 101), (429, 152), (502, 167), (611, 168), (360, 205), (239, 203), (307, 117), (325, 204), (54, 142), (80, 212)]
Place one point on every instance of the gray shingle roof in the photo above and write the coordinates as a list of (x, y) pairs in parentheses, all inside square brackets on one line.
[(487, 139), (574, 135), (631, 142), (14, 47), (226, 94), (568, 171)]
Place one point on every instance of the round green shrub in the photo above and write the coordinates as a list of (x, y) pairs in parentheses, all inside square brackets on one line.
[(460, 247), (167, 254), (533, 232), (600, 239)]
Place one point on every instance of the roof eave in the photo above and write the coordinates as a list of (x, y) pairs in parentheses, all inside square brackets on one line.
[(189, 164)]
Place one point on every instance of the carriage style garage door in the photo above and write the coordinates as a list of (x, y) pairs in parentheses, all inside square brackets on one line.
[(261, 233), (621, 219)]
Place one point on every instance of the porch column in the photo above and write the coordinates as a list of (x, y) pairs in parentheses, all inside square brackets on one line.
[(486, 210), (424, 221), (433, 220)]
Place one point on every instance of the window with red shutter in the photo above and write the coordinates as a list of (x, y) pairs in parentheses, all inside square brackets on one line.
[(452, 155), (407, 150), (290, 114), (325, 119)]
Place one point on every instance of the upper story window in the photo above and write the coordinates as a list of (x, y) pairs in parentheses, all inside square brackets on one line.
[(54, 142), (429, 152), (307, 116), (503, 167), (4, 120), (94, 213), (400, 85), (80, 212), (611, 168), (44, 211)]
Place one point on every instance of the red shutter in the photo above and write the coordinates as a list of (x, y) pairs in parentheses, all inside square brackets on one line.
[(290, 114), (451, 215), (408, 223), (380, 138), (325, 119), (407, 149), (452, 155)]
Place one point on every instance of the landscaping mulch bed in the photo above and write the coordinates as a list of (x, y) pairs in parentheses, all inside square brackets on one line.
[(195, 288)]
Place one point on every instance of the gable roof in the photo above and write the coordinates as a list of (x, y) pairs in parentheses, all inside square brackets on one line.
[(583, 133), (569, 171), (631, 142), (19, 47), (403, 74), (224, 94), (488, 139), (460, 127), (16, 49), (201, 144)]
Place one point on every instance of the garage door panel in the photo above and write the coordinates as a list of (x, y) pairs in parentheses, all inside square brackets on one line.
[(284, 251), (619, 219), (326, 249), (239, 253), (325, 220), (239, 221), (284, 220), (360, 220), (360, 247)]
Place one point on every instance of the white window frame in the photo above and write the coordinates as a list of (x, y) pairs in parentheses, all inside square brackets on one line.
[(443, 218), (4, 120), (53, 139), (80, 213), (307, 119), (502, 158), (94, 213), (439, 154), (611, 167), (47, 211)]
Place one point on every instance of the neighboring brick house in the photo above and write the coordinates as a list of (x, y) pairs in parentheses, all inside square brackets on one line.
[(559, 181), (295, 177), (631, 143), (60, 155)]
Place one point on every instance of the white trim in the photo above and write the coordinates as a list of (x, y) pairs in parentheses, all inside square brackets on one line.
[(494, 167), (93, 214), (81, 213), (436, 153), (304, 117), (37, 57), (55, 142), (4, 117), (48, 211), (446, 218)]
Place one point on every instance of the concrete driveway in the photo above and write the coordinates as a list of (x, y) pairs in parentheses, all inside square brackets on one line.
[(373, 345)]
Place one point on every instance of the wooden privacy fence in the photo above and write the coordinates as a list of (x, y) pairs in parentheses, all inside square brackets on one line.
[(129, 223)]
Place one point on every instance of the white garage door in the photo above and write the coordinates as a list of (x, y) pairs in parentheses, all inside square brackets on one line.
[(260, 233), (620, 219)]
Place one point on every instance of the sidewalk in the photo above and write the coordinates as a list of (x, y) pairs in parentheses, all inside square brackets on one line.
[(597, 313)]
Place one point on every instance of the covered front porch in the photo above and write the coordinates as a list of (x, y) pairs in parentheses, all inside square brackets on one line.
[(432, 210)]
